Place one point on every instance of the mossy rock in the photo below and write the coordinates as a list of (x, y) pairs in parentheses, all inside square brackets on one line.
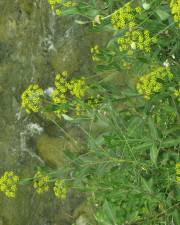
[(50, 149)]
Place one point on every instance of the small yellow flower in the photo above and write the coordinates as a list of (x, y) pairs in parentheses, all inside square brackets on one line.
[(69, 4), (138, 9), (60, 189), (52, 3), (31, 98), (94, 52), (178, 171), (177, 92), (8, 184), (41, 183), (175, 10), (58, 96), (58, 12)]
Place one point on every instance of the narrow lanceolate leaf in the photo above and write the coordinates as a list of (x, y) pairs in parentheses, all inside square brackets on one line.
[(154, 151), (146, 185), (108, 209), (171, 142), (152, 129), (66, 117), (70, 11), (162, 14)]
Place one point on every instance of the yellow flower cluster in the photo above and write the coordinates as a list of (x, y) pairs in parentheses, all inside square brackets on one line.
[(69, 4), (136, 40), (150, 83), (78, 109), (178, 171), (94, 52), (64, 88), (58, 95), (175, 9), (41, 183), (124, 17), (31, 98), (56, 5), (177, 92), (77, 87), (60, 189), (93, 101), (8, 184), (53, 3)]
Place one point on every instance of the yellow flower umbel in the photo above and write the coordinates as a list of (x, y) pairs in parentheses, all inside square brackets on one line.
[(41, 183), (8, 184), (31, 98), (60, 189), (151, 83), (94, 101), (136, 40), (57, 5), (124, 17), (178, 171), (59, 93), (94, 52), (175, 10), (66, 91), (69, 4), (53, 3), (77, 87)]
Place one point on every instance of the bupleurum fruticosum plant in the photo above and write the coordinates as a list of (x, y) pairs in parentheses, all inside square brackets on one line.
[(152, 149)]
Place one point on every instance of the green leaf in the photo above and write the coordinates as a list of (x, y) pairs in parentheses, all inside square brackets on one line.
[(146, 6), (143, 146), (154, 151), (70, 11), (66, 117), (92, 13), (152, 128), (171, 142), (108, 210), (162, 14), (147, 185)]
